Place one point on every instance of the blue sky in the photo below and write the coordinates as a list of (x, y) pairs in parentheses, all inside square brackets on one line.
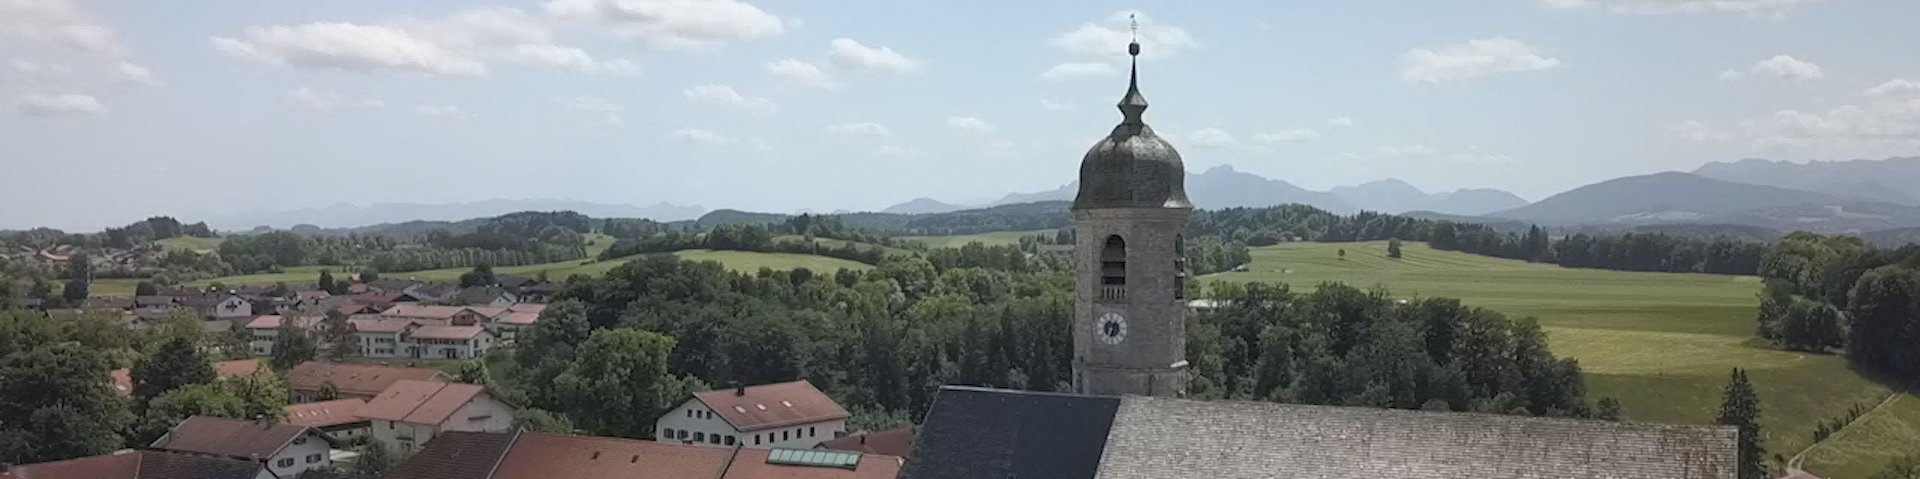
[(118, 109)]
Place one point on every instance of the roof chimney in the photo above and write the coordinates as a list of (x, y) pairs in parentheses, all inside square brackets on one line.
[(739, 389)]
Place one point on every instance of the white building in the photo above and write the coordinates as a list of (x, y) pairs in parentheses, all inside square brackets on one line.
[(790, 415), (411, 413), (265, 329), (287, 450), (447, 342)]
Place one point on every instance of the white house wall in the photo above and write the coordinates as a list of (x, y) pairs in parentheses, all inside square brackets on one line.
[(309, 445), (704, 425)]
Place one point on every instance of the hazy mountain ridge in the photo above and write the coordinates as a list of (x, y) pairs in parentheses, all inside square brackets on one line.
[(1890, 180), (346, 215), (1224, 187)]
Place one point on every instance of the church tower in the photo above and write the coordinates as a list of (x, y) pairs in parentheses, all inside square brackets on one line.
[(1130, 324)]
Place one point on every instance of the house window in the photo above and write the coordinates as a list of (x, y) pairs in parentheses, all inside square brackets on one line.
[(783, 435), (389, 425), (729, 440), (288, 462), (756, 439), (713, 439), (667, 433), (699, 436), (313, 458), (689, 413), (299, 440), (811, 432), (683, 434)]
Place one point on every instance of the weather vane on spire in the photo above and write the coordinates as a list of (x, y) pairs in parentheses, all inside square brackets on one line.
[(1133, 20)]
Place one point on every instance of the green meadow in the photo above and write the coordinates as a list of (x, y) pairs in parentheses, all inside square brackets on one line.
[(1661, 343)]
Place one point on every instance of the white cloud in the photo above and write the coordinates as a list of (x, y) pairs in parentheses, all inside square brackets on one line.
[(1107, 38), (1050, 105), (726, 96), (1297, 135), (1209, 138), (1694, 130), (674, 24), (699, 137), (1895, 87), (443, 111), (1731, 75), (861, 129), (47, 106), (462, 44), (851, 54), (316, 100), (1885, 121), (1663, 7), (348, 46), (1473, 59), (135, 73), (1074, 70), (968, 123), (1787, 67), (1340, 122), (802, 74), (609, 113), (61, 23)]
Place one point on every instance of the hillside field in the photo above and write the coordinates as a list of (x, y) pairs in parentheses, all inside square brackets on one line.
[(989, 239), (1661, 343)]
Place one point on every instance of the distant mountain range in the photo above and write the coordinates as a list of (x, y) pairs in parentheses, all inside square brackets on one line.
[(1684, 198), (344, 215), (1891, 180), (1224, 187)]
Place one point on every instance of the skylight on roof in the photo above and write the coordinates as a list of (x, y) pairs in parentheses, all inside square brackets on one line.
[(814, 458), (787, 403), (740, 410), (762, 407)]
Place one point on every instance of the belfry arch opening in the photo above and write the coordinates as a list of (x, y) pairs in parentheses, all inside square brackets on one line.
[(1113, 269), (1180, 267)]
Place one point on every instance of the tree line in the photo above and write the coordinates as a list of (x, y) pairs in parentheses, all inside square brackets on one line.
[(1840, 293)]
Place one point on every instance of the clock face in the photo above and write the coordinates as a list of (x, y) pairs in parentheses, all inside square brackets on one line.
[(1111, 328)]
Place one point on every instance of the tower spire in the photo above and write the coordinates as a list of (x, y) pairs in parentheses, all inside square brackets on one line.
[(1133, 104)]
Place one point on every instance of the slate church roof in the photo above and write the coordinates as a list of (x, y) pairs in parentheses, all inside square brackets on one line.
[(995, 434), (980, 433)]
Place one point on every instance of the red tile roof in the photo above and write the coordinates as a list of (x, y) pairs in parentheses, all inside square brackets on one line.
[(421, 402), (751, 463), (535, 308), (488, 311), (123, 378), (455, 455), (137, 465), (544, 456), (892, 442), (326, 413), (448, 332), (120, 465), (520, 318), (274, 321), (229, 437), (772, 405), (364, 380), (417, 311), (370, 325)]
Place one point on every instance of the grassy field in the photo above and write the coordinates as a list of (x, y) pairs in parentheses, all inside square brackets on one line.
[(1661, 343), (189, 243), (839, 243), (989, 239), (748, 261)]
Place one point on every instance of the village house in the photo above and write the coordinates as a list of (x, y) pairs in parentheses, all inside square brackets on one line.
[(362, 381), (447, 342), (510, 325), (536, 455), (486, 296), (435, 315), (338, 419), (284, 450), (218, 305), (264, 330), (133, 464), (410, 414), (123, 377), (790, 415), (380, 338)]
